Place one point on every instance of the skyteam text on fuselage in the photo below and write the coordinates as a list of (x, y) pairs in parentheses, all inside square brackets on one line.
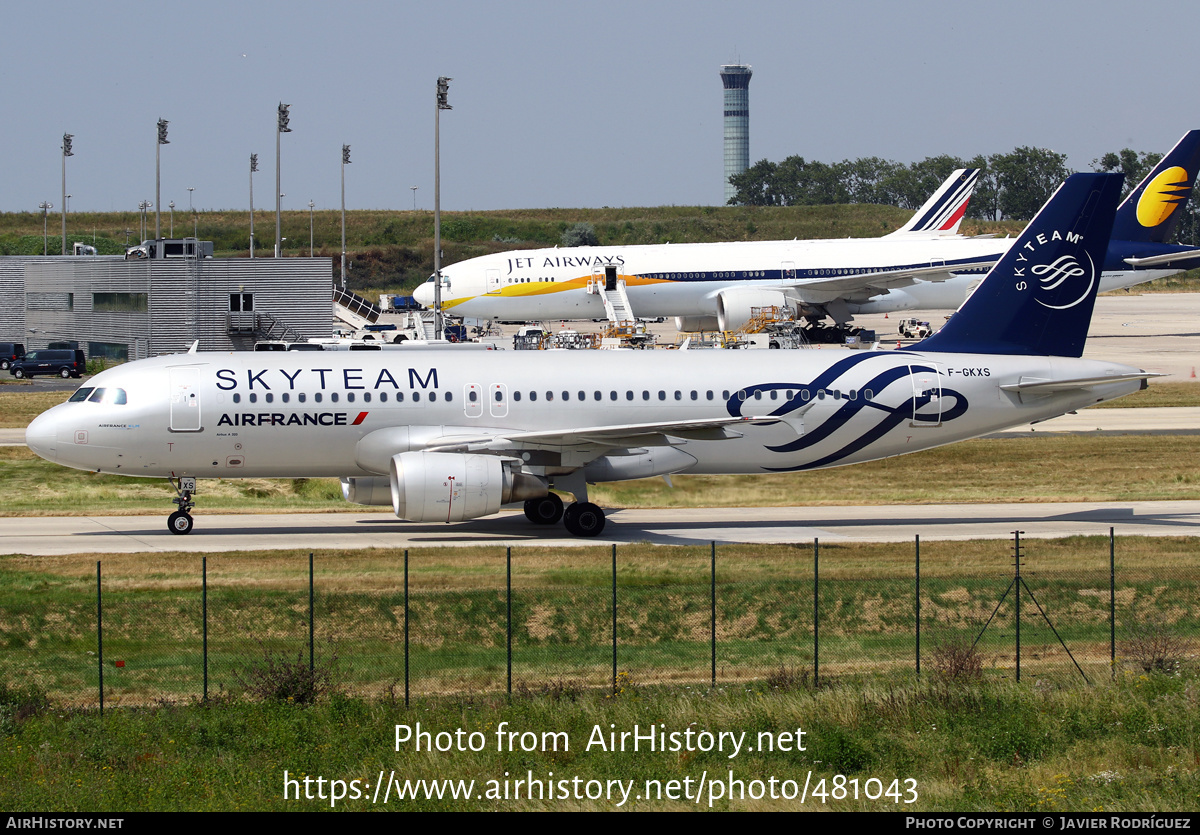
[(714, 286), (446, 436)]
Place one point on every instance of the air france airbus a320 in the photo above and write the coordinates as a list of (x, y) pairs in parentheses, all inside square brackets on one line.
[(444, 436), (715, 286)]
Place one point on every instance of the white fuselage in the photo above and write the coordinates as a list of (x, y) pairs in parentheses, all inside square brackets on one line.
[(307, 415), (686, 279)]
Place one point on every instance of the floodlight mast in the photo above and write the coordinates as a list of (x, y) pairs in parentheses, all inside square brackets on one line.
[(162, 140), (253, 169), (443, 86), (281, 127), (345, 162), (66, 152)]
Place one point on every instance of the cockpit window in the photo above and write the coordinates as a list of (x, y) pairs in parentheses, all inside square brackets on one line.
[(81, 395), (112, 396)]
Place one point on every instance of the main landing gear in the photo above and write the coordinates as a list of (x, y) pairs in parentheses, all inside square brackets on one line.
[(580, 518), (180, 522)]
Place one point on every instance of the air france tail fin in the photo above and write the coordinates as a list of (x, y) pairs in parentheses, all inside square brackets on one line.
[(943, 212), (1151, 212), (1038, 299)]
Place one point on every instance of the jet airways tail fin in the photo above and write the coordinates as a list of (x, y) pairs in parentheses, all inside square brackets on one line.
[(1038, 299), (943, 212), (1151, 212)]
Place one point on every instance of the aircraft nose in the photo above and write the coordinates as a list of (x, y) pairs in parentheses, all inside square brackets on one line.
[(41, 436), (424, 294)]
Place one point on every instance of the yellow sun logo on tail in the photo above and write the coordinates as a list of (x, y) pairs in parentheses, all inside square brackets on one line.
[(1162, 195)]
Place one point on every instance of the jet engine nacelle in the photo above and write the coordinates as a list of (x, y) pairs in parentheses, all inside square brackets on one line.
[(733, 306), (695, 324), (453, 487), (372, 491)]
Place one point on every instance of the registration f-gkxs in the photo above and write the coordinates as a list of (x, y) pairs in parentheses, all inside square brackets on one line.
[(444, 436)]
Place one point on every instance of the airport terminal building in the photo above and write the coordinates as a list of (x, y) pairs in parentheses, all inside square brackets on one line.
[(131, 308)]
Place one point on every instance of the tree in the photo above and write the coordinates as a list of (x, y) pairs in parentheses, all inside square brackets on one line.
[(1027, 177), (754, 185), (1134, 165)]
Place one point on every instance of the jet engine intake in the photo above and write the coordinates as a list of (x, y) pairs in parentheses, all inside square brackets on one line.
[(734, 305), (453, 487)]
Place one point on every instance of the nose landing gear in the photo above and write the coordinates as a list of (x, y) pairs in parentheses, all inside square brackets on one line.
[(180, 522)]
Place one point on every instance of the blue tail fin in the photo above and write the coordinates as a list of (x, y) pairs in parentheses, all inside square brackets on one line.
[(1038, 299), (1151, 212)]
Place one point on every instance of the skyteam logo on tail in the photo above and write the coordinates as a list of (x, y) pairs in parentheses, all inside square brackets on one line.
[(1162, 195), (1064, 277)]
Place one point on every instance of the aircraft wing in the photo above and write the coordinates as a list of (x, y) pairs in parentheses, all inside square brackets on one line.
[(821, 290), (616, 436), (1159, 260)]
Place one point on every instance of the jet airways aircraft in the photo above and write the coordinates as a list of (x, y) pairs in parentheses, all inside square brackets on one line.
[(714, 286), (447, 437)]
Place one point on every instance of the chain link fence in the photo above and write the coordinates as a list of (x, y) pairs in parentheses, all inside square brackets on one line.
[(406, 626)]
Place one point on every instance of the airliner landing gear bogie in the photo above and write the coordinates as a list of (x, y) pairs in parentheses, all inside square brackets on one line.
[(180, 522), (545, 510), (584, 519)]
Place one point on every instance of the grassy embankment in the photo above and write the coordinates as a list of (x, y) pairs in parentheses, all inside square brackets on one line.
[(392, 251), (987, 743)]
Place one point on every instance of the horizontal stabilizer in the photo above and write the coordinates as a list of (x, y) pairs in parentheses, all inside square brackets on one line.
[(1167, 258), (1053, 386)]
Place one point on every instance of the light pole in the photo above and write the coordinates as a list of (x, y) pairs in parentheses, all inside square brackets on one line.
[(162, 140), (195, 222), (171, 206), (45, 206), (253, 169), (443, 86), (310, 228), (345, 162), (68, 204), (281, 127), (66, 152), (142, 207), (414, 191)]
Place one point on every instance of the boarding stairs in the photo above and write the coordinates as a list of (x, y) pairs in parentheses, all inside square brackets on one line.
[(353, 310), (611, 290)]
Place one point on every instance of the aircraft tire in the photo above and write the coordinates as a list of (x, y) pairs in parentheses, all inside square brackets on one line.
[(545, 510), (584, 519), (179, 523)]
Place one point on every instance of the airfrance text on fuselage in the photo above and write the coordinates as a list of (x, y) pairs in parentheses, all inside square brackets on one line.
[(290, 419), (343, 379)]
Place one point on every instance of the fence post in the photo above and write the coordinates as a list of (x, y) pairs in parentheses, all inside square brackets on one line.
[(713, 616), (918, 607), (508, 627), (816, 612), (311, 611), (614, 617), (204, 618), (100, 637), (405, 628), (1112, 603)]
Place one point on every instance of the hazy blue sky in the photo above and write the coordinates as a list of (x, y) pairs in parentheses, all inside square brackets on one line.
[(562, 103)]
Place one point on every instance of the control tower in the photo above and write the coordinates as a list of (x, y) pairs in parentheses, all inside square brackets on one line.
[(736, 78)]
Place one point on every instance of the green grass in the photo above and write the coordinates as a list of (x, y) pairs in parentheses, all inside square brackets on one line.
[(1124, 743)]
